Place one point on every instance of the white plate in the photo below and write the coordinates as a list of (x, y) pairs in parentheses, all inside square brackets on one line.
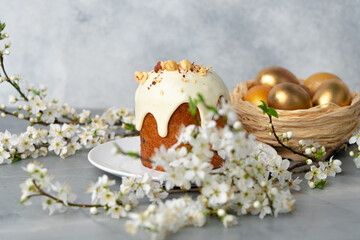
[(103, 158)]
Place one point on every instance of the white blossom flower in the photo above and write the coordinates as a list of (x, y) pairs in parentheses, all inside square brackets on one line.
[(117, 211), (216, 191), (25, 143), (64, 192), (84, 116), (12, 99), (355, 138), (4, 156), (357, 162), (52, 205), (229, 220), (37, 105), (107, 197), (56, 145)]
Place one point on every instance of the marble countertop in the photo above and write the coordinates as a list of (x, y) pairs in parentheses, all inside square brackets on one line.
[(332, 213)]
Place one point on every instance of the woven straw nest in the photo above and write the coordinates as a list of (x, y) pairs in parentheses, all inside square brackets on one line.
[(329, 126)]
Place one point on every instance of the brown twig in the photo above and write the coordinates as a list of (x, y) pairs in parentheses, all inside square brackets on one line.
[(43, 193), (172, 191), (287, 147), (9, 81)]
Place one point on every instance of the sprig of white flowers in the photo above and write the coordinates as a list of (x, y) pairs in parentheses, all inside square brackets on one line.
[(62, 129), (356, 152)]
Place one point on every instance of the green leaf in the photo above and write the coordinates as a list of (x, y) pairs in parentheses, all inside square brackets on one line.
[(2, 26), (272, 112), (263, 106), (133, 154), (320, 184), (192, 106), (211, 108), (15, 84), (201, 98), (16, 158), (36, 92), (319, 154), (129, 126)]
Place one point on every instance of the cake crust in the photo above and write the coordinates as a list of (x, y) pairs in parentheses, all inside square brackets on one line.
[(151, 140)]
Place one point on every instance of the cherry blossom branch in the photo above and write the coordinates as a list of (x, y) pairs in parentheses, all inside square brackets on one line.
[(16, 86), (43, 193), (287, 147)]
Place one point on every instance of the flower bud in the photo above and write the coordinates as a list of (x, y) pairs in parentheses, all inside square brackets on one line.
[(12, 99), (21, 116), (274, 191), (7, 45), (6, 52), (43, 87), (309, 161), (308, 151), (257, 204), (301, 142), (220, 212), (93, 211), (311, 184), (2, 106), (127, 207), (3, 115), (237, 125), (289, 134), (351, 153), (263, 183), (313, 149), (5, 35)]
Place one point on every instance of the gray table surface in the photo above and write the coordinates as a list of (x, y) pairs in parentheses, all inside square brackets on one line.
[(332, 213)]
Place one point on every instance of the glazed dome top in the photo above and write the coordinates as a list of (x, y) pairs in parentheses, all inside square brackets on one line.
[(162, 90)]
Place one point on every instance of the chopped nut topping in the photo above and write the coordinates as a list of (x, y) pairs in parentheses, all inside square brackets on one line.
[(141, 77), (158, 66), (182, 67), (185, 65), (171, 65)]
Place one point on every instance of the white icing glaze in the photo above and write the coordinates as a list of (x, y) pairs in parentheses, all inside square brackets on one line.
[(171, 90)]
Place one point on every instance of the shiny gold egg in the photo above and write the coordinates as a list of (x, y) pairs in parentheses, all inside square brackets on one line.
[(314, 81), (332, 91), (306, 89), (257, 93), (272, 76), (289, 96)]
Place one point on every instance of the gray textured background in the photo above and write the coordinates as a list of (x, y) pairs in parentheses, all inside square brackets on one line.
[(87, 50)]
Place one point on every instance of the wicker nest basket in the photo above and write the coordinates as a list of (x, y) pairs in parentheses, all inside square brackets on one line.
[(330, 127)]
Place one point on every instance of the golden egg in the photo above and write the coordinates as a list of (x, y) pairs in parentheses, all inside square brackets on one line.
[(289, 96), (272, 76), (257, 93), (332, 91), (306, 89), (314, 81)]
